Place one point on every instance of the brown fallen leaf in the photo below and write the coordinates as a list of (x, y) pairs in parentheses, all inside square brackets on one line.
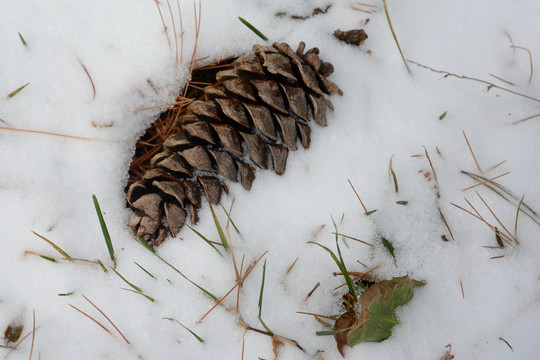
[(344, 322)]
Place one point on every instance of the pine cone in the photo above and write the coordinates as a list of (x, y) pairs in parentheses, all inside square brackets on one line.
[(265, 101)]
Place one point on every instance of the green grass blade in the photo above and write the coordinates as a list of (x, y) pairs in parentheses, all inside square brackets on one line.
[(15, 92), (506, 342), (135, 287), (262, 288), (340, 266), (192, 333), (22, 39), (252, 28), (142, 294), (146, 271), (443, 115), (229, 217), (57, 248), (149, 248), (204, 238), (402, 202), (104, 228), (370, 212), (102, 266), (388, 245), (219, 230), (48, 258), (332, 332), (343, 267), (66, 294)]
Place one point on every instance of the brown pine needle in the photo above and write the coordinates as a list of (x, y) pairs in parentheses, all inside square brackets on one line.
[(497, 257), (462, 292), (163, 22), (316, 315), (91, 318), (472, 152), (180, 103), (365, 275), (358, 196), (355, 239), (431, 166), (174, 30), (197, 30), (530, 58), (90, 78), (390, 167), (181, 32), (33, 333), (152, 86), (243, 343), (106, 317), (248, 271), (445, 223), (501, 79), (362, 10), (292, 265), (496, 218), (496, 165), (486, 181), (312, 291), (528, 118), (47, 133)]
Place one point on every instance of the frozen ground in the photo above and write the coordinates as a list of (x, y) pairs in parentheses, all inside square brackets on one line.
[(47, 181)]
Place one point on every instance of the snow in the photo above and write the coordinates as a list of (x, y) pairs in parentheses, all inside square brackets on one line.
[(48, 181)]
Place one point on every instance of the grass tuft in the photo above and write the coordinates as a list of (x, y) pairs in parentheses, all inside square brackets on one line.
[(253, 28), (104, 228)]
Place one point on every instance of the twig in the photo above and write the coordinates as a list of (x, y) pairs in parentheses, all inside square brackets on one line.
[(530, 58), (90, 78), (472, 152), (490, 85)]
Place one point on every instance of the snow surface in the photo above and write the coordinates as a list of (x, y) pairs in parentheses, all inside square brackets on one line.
[(47, 181)]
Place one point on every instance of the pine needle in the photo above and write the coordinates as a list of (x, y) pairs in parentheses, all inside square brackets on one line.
[(106, 317), (33, 333), (486, 181), (391, 169), (472, 152), (91, 318), (90, 78), (530, 59)]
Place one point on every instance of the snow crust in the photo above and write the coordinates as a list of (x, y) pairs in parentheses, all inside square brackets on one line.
[(47, 181)]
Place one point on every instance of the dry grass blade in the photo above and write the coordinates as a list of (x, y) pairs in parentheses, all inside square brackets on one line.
[(394, 35), (390, 167), (90, 78), (197, 30), (33, 333), (355, 239), (91, 318), (432, 169), (472, 152), (106, 317), (292, 265), (316, 315), (57, 248), (490, 85), (461, 285), (181, 32), (530, 59), (486, 181)]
